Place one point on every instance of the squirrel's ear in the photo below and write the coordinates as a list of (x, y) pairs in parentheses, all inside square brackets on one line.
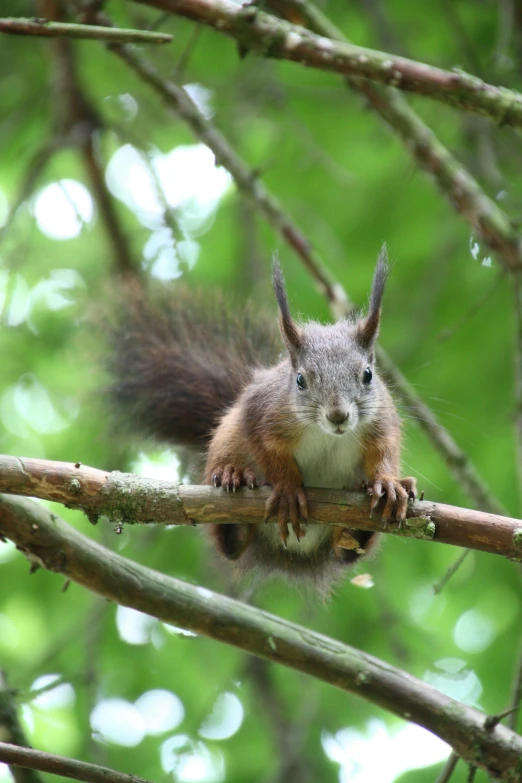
[(290, 332), (368, 327)]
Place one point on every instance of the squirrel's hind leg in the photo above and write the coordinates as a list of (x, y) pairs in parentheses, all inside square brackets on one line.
[(350, 545), (232, 540)]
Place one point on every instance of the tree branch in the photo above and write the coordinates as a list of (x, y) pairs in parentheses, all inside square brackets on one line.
[(126, 498), (248, 183), (48, 29), (59, 765), (270, 36), (516, 696), (77, 121), (60, 548), (462, 191), (245, 178), (449, 768), (11, 730)]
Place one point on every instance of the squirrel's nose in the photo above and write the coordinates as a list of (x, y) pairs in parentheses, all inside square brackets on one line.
[(337, 416)]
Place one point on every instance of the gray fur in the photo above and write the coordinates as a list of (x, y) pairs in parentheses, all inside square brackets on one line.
[(332, 362)]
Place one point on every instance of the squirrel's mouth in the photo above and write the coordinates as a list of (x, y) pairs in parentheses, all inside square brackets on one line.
[(335, 430)]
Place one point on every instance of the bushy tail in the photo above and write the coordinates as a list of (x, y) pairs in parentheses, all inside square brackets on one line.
[(177, 363)]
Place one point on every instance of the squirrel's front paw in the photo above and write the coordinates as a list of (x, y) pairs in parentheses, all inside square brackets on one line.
[(397, 491), (231, 478), (289, 502)]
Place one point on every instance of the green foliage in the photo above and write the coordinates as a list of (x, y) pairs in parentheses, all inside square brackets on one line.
[(348, 181)]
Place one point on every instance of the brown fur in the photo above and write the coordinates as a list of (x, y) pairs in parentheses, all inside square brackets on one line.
[(180, 358), (190, 373)]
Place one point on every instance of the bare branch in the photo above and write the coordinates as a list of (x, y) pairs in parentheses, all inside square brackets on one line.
[(439, 586), (270, 36), (60, 548), (517, 304), (449, 768), (245, 178), (516, 696), (247, 181), (48, 29), (78, 121), (462, 191), (126, 498), (11, 730), (59, 765)]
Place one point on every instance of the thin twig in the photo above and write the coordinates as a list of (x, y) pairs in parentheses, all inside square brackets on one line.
[(78, 121), (449, 768), (11, 730), (245, 178), (457, 460), (48, 29), (475, 308), (59, 765), (453, 568), (34, 169), (41, 535), (288, 737), (493, 720), (517, 306), (516, 696)]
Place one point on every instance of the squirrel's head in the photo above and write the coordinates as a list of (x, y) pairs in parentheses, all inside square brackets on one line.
[(332, 366)]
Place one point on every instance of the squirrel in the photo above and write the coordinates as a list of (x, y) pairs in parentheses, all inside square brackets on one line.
[(193, 374)]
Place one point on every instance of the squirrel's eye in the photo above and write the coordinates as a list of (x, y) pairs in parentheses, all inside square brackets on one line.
[(301, 383), (367, 375)]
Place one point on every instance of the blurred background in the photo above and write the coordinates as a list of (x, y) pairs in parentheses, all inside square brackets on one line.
[(99, 179)]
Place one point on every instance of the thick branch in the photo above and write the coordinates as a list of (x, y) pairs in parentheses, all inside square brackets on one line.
[(48, 29), (59, 765), (126, 498), (58, 547), (272, 37)]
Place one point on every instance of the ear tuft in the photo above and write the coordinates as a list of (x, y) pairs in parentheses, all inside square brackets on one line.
[(290, 332), (368, 327)]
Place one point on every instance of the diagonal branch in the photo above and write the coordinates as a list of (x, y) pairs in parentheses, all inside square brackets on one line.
[(270, 36), (59, 765), (248, 183), (126, 498), (516, 696), (11, 731), (60, 548), (48, 29), (77, 122), (449, 768), (463, 192)]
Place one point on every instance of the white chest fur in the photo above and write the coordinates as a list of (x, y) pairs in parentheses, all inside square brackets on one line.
[(333, 461)]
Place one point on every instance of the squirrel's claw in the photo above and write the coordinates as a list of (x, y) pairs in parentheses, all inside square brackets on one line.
[(231, 478), (397, 493), (410, 485), (290, 504)]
